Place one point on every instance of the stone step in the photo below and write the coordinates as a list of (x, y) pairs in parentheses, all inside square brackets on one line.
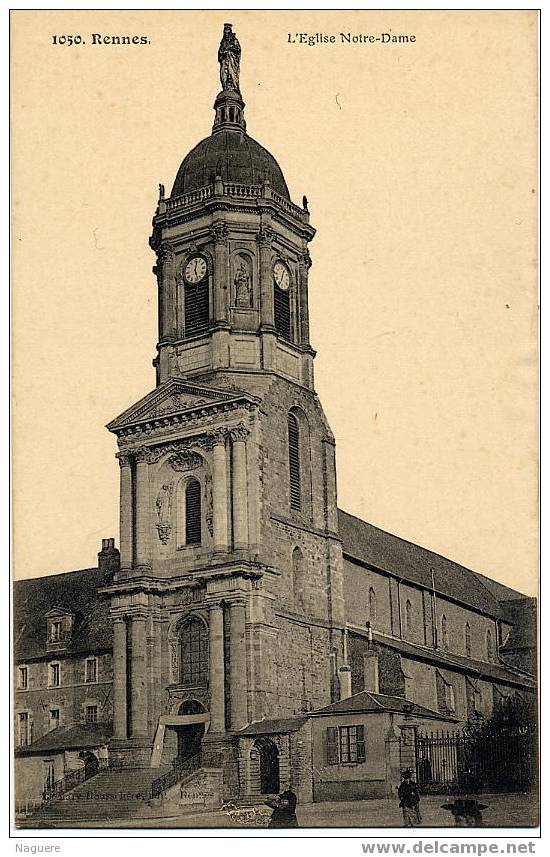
[(113, 789)]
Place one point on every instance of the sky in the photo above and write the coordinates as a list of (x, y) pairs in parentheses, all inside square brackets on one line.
[(419, 164)]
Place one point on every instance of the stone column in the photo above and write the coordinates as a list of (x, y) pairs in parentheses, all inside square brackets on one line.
[(138, 687), (126, 512), (216, 669), (119, 678), (267, 310), (219, 492), (219, 233), (237, 662), (239, 488), (167, 297), (143, 557), (305, 265)]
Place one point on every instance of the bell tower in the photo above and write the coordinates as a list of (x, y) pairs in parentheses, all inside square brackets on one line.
[(229, 600), (232, 254)]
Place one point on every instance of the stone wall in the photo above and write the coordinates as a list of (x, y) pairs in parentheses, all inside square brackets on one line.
[(71, 697)]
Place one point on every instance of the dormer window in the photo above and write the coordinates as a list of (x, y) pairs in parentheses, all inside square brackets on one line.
[(59, 627)]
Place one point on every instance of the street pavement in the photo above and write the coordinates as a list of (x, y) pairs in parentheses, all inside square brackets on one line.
[(503, 810)]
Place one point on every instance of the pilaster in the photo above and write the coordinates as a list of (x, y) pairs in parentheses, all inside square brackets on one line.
[(126, 514), (142, 515), (217, 668)]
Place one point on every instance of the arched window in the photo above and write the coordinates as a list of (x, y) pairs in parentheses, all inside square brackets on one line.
[(444, 633), (294, 463), (468, 640), (196, 296), (193, 652), (490, 647), (408, 617), (298, 577), (372, 606), (193, 512), (281, 300)]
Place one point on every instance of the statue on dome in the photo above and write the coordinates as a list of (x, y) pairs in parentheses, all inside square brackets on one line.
[(229, 58)]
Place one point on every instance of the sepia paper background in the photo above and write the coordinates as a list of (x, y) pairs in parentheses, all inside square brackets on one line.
[(419, 163)]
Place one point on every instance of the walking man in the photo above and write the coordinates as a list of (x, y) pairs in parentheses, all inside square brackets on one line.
[(409, 799)]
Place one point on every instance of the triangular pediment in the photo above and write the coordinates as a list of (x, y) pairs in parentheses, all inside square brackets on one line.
[(57, 611), (175, 396)]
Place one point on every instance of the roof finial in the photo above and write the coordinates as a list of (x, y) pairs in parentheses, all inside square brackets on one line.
[(229, 58)]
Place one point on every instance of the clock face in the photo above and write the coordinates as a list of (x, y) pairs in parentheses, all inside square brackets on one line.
[(281, 276), (195, 270)]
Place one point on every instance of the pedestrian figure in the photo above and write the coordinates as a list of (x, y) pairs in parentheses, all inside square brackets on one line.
[(409, 799), (284, 810)]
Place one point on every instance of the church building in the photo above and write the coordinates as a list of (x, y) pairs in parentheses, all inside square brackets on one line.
[(247, 634)]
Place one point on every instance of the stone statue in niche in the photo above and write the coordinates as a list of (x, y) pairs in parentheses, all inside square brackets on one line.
[(163, 504), (243, 287)]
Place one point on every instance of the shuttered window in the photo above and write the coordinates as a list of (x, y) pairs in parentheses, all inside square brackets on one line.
[(345, 745), (193, 513), (196, 307), (294, 462), (332, 745), (281, 300)]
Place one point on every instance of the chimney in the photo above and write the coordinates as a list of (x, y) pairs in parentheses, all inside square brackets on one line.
[(108, 558), (370, 671), (344, 676)]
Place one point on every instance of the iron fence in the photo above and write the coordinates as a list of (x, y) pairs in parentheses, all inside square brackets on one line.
[(476, 760)]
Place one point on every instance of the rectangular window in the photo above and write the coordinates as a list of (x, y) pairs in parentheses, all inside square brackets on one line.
[(24, 730), (22, 678), (91, 714), (54, 675), (54, 718), (449, 696), (345, 745), (91, 671), (56, 631), (197, 311)]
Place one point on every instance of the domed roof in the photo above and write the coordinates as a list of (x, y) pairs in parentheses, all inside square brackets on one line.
[(234, 156)]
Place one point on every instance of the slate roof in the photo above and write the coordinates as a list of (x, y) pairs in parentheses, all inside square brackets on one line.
[(375, 703), (76, 737), (383, 551), (450, 660), (499, 590), (234, 156), (75, 591), (271, 727)]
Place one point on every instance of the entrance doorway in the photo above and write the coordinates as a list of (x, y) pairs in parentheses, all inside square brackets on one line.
[(269, 766), (190, 736)]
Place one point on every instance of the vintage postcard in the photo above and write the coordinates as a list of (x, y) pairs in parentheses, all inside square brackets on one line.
[(275, 419)]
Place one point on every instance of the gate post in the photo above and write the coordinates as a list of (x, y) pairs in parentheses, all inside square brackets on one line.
[(408, 747), (393, 761)]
